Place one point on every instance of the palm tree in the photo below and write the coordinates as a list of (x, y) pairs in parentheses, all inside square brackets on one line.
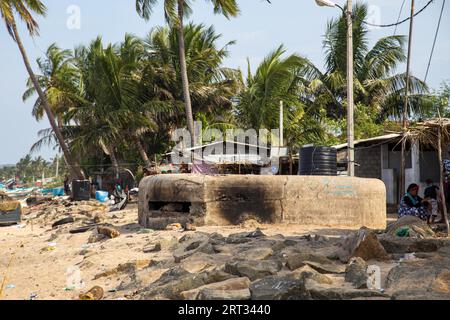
[(175, 12), (278, 78), (376, 85), (24, 9)]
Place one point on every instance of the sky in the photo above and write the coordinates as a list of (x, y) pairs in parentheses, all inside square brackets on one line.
[(258, 30)]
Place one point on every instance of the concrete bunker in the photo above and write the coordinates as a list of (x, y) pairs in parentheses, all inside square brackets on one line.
[(231, 199)]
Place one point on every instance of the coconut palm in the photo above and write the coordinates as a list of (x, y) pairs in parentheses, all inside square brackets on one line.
[(278, 78), (376, 85), (211, 85), (25, 9), (59, 79), (175, 13)]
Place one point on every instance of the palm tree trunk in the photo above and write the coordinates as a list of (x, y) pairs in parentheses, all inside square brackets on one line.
[(183, 71), (142, 152), (74, 166), (114, 162)]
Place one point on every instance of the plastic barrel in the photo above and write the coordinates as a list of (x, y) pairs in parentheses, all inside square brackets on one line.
[(101, 196), (81, 190), (318, 161)]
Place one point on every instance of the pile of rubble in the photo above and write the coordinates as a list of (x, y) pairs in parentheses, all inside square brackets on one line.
[(253, 266)]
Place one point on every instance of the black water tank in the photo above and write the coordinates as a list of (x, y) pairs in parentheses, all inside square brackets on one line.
[(318, 161), (81, 190)]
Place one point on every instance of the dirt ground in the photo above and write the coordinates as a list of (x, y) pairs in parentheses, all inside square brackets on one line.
[(41, 263)]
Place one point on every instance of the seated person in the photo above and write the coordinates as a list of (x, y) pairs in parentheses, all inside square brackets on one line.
[(431, 195), (413, 205)]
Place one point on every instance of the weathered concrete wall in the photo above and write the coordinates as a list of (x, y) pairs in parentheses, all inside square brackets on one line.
[(228, 200)]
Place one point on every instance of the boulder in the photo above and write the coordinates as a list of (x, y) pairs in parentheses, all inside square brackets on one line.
[(188, 248), (326, 268), (307, 272), (356, 273), (152, 247), (277, 288), (254, 269), (255, 254), (234, 284), (200, 261), (218, 294), (363, 244), (317, 291), (398, 245), (296, 261), (171, 284), (244, 237)]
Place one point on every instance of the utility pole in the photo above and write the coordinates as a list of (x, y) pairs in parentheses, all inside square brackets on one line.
[(405, 107), (57, 166), (350, 92)]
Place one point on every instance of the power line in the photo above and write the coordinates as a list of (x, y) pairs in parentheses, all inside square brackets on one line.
[(434, 42), (399, 15), (397, 23)]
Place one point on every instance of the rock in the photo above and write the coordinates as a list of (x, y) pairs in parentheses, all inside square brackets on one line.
[(318, 291), (254, 269), (307, 272), (255, 254), (227, 285), (363, 244), (188, 248), (326, 268), (130, 267), (417, 228), (174, 227), (216, 239), (420, 278), (200, 261), (155, 247), (356, 273), (108, 231), (234, 295), (96, 293), (214, 276), (244, 237), (277, 288), (399, 245), (296, 261), (171, 284)]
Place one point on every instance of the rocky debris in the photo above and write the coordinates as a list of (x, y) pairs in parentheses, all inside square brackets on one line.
[(420, 279), (254, 254), (152, 247), (96, 293), (356, 273), (307, 272), (244, 237), (296, 261), (317, 291), (394, 244), (411, 227), (108, 231), (200, 261), (326, 268), (189, 247), (277, 288), (189, 227), (96, 237), (216, 290), (254, 269), (363, 244), (233, 295), (171, 284), (129, 267)]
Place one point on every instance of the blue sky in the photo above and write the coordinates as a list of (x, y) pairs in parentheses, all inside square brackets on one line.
[(260, 28)]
